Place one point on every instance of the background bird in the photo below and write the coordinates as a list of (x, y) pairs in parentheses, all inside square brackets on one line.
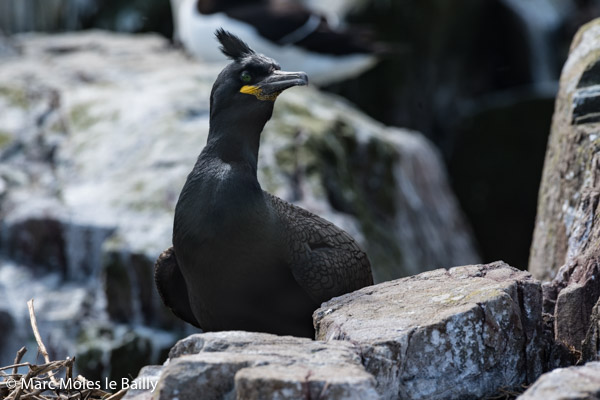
[(302, 38), (242, 258)]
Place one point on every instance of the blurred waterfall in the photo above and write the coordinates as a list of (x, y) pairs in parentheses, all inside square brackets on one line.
[(83, 248), (541, 20)]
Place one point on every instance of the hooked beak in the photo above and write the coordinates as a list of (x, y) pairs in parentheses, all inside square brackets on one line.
[(270, 87)]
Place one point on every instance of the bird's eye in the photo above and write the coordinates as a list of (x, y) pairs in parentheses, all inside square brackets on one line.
[(246, 77)]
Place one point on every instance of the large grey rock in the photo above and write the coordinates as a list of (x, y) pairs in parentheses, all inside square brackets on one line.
[(567, 224), (445, 334), (245, 365), (566, 239), (574, 383)]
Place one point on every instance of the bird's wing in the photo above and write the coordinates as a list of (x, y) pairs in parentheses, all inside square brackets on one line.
[(171, 286), (294, 24), (325, 260)]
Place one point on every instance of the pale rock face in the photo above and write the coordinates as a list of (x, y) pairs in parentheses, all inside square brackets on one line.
[(258, 365), (565, 226), (249, 365), (566, 236), (443, 334)]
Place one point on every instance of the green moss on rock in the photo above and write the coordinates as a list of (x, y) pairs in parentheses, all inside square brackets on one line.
[(15, 96), (81, 117), (5, 138)]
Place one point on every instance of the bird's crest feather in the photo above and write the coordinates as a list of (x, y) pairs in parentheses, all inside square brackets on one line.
[(232, 46)]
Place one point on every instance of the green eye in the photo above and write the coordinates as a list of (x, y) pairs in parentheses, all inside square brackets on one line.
[(246, 78)]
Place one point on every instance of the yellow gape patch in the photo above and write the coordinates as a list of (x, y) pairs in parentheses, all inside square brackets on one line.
[(256, 91)]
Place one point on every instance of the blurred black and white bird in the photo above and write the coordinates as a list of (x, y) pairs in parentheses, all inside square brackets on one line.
[(301, 37)]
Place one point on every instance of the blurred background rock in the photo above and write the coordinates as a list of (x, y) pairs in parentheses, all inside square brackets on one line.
[(477, 78)]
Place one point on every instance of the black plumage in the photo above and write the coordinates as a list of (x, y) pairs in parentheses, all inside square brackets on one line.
[(241, 258)]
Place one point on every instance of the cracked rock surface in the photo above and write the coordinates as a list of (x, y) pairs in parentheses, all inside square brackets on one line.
[(444, 334), (566, 240), (567, 217), (245, 365)]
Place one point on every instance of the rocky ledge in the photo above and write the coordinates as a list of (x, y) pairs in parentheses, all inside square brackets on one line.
[(461, 333)]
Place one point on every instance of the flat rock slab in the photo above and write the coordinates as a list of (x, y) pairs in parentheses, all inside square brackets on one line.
[(246, 365), (445, 334), (574, 383)]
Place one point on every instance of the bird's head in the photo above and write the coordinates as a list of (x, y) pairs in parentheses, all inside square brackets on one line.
[(252, 82)]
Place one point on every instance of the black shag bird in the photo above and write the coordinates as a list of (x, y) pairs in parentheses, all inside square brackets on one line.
[(243, 259)]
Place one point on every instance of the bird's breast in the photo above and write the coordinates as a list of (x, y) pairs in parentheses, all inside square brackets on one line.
[(227, 244), (223, 209)]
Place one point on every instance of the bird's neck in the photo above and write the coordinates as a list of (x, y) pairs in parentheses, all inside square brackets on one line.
[(236, 140)]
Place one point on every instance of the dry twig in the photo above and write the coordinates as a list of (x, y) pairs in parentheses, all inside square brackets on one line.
[(18, 358), (44, 378), (38, 338)]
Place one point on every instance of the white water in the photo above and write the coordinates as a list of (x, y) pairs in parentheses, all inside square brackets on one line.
[(541, 19)]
